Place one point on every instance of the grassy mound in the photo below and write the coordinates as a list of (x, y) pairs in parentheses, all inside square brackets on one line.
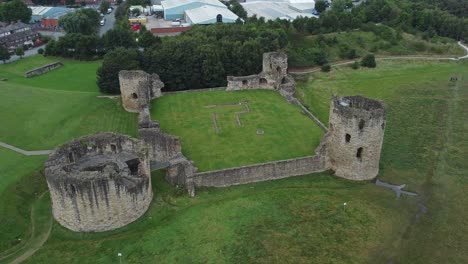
[(425, 146), (305, 50), (287, 132)]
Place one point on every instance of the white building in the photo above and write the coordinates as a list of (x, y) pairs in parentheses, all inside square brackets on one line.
[(283, 9), (175, 9), (205, 15)]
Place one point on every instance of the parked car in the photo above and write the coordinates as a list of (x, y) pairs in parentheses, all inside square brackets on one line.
[(109, 10), (103, 21)]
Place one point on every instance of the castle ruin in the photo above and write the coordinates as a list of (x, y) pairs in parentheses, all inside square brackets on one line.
[(356, 130), (102, 182), (274, 76), (99, 182)]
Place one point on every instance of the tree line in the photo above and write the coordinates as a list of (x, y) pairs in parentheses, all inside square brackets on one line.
[(203, 56)]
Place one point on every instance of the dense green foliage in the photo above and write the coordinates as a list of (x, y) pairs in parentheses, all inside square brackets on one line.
[(368, 61), (4, 54), (14, 11), (288, 133), (84, 21), (19, 52), (237, 9), (320, 5), (115, 61), (104, 6)]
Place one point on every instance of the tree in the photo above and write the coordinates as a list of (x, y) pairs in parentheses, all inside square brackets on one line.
[(84, 21), (368, 61), (69, 2), (321, 5), (19, 52), (4, 54), (119, 37), (104, 6), (326, 68), (237, 9), (147, 39), (15, 10), (115, 61)]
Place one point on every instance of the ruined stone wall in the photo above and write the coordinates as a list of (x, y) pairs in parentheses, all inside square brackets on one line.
[(274, 76), (99, 182), (356, 130), (275, 64), (43, 69), (137, 88), (266, 171), (162, 146), (260, 172)]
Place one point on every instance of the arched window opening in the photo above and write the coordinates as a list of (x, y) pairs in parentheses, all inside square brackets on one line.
[(219, 18), (278, 69), (244, 83), (113, 148), (134, 96), (359, 153), (361, 124), (71, 158), (263, 81), (348, 138)]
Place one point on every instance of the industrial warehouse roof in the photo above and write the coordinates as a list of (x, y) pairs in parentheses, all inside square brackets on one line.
[(168, 4), (207, 14), (272, 10), (40, 12)]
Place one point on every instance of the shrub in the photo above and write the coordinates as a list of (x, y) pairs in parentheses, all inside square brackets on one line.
[(368, 61), (355, 65), (40, 51), (326, 68)]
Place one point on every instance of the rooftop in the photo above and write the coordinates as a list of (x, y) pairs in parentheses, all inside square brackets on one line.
[(176, 3), (205, 13)]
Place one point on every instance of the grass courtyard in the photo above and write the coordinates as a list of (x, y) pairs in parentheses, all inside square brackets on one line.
[(287, 132), (295, 220)]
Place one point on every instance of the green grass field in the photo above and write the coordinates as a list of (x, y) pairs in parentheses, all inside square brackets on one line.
[(425, 146), (41, 113), (295, 220), (45, 111), (287, 132), (367, 42)]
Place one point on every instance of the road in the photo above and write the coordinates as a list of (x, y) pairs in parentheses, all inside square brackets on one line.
[(27, 53), (110, 21)]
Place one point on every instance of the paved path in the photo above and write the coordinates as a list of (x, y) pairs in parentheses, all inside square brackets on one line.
[(25, 152), (316, 69)]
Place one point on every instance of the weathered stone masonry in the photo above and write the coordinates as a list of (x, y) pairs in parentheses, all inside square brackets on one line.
[(102, 182), (43, 69), (99, 182)]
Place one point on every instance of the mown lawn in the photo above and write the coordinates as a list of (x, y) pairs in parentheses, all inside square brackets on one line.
[(302, 219), (41, 113), (45, 111), (425, 146), (287, 132)]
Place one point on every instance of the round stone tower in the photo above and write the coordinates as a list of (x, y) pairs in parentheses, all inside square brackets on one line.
[(99, 182), (356, 131)]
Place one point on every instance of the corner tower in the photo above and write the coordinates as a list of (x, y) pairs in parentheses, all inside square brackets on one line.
[(356, 131)]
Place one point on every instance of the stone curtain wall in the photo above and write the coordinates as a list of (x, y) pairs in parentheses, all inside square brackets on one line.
[(261, 172), (43, 69)]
